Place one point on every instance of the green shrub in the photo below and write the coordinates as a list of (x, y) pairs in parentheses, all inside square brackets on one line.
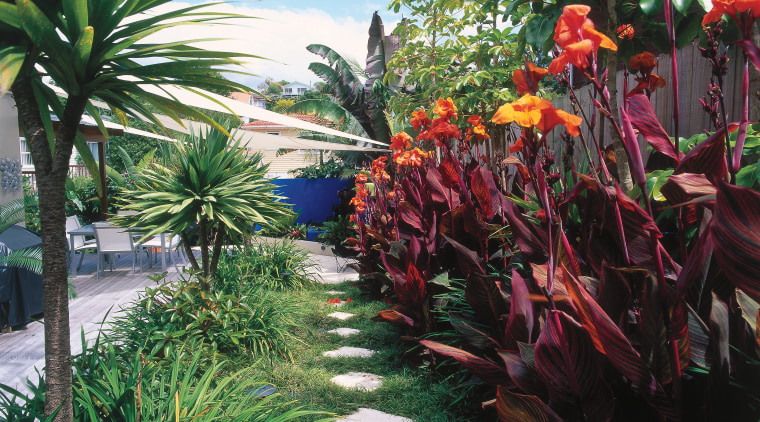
[(251, 320), (111, 385), (286, 227), (277, 265)]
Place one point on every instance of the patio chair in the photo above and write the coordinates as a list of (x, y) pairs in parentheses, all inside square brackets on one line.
[(114, 240), (77, 244), (171, 243)]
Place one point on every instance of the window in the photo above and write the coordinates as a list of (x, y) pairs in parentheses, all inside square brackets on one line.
[(273, 132)]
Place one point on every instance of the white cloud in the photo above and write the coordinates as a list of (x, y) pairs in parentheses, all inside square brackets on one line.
[(279, 35)]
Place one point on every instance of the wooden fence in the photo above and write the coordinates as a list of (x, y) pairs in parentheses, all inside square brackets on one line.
[(694, 75)]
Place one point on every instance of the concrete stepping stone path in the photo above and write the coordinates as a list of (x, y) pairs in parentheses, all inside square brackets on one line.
[(371, 415), (358, 380), (345, 332), (349, 352), (335, 292), (341, 315)]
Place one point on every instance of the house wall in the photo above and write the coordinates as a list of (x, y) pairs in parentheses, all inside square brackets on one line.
[(9, 142)]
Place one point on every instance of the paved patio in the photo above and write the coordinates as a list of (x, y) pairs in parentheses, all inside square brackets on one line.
[(22, 350)]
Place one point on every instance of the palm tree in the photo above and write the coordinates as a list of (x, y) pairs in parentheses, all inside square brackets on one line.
[(360, 95), (90, 49), (210, 183)]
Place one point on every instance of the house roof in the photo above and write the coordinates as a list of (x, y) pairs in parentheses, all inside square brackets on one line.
[(240, 96), (311, 118)]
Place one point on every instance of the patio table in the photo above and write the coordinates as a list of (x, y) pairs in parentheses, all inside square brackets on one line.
[(89, 230)]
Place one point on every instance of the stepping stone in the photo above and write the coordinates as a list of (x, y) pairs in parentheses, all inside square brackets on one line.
[(335, 292), (358, 380), (349, 352), (371, 415), (341, 315), (345, 332)]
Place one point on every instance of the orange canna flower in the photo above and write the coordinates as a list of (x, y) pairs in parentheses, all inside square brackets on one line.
[(517, 147), (575, 54), (443, 131), (645, 62), (576, 32), (401, 141), (529, 84), (420, 120), (625, 32), (361, 178), (474, 120), (743, 12), (531, 111), (412, 158), (446, 108), (649, 83)]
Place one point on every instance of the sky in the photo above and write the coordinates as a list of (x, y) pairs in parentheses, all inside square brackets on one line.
[(283, 30)]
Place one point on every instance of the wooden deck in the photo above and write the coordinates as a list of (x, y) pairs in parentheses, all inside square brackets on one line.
[(22, 350)]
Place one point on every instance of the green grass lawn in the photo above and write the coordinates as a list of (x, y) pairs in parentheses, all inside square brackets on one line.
[(408, 391)]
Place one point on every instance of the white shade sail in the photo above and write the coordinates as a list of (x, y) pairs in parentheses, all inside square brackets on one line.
[(210, 101)]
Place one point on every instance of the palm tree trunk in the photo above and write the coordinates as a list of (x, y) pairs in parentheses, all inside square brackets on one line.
[(189, 250), (218, 243), (51, 170), (203, 231)]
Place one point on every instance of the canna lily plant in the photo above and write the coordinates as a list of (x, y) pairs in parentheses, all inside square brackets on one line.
[(577, 300)]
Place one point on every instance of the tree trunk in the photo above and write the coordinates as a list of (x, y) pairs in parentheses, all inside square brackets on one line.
[(218, 243), (203, 231), (51, 169), (621, 158)]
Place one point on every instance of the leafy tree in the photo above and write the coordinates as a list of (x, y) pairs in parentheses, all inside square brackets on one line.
[(360, 97), (90, 49), (457, 49), (211, 185), (282, 105)]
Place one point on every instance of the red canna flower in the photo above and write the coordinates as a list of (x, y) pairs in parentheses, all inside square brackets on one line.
[(531, 111), (743, 12), (517, 147), (401, 141), (644, 62), (625, 32), (529, 84)]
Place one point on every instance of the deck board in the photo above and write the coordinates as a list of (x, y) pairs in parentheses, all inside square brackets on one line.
[(22, 351)]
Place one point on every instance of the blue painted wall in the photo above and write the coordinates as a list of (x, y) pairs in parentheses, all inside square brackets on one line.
[(314, 198)]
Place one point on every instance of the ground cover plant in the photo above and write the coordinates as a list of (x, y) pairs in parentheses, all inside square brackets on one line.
[(579, 300)]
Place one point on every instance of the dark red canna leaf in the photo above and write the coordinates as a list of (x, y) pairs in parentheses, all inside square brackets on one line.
[(699, 334), (440, 193), (484, 369), (735, 231), (472, 333), (513, 407), (525, 235), (523, 375), (469, 261), (449, 174), (411, 216), (485, 191), (685, 187), (521, 314), (411, 293), (708, 158), (486, 299), (628, 362), (579, 297), (645, 121), (396, 317), (719, 328), (396, 265), (569, 365), (631, 142), (695, 267)]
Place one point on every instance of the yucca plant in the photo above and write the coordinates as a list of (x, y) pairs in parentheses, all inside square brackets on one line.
[(209, 182), (11, 213)]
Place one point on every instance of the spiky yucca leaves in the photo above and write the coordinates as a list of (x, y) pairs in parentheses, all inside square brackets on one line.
[(210, 182)]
